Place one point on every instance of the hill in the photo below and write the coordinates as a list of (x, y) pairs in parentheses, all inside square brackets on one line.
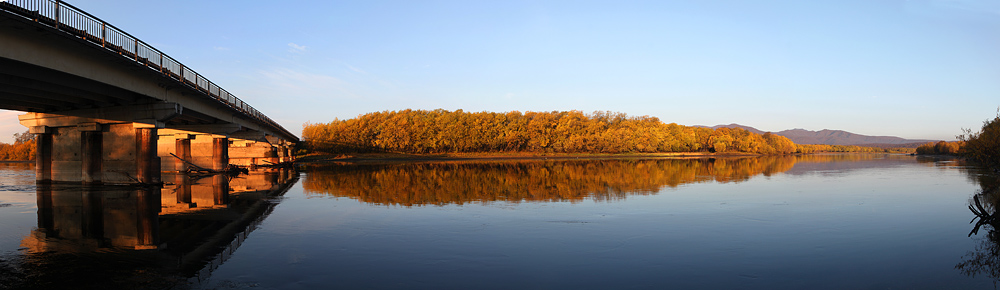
[(836, 137)]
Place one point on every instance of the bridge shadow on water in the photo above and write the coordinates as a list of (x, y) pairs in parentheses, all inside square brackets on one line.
[(134, 237)]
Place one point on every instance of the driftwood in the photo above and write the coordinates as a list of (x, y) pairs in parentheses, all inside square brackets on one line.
[(192, 168), (192, 165), (135, 181), (985, 218)]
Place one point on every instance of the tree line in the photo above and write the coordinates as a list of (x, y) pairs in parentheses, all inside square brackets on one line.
[(22, 149), (941, 148), (442, 131), (983, 146)]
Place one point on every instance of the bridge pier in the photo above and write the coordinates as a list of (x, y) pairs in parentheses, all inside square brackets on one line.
[(96, 147), (43, 153), (90, 155), (93, 150), (220, 153), (147, 163), (219, 149), (253, 153), (198, 149)]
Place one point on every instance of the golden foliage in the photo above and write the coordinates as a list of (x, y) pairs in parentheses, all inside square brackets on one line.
[(814, 148), (441, 131), (18, 151), (941, 148), (984, 146)]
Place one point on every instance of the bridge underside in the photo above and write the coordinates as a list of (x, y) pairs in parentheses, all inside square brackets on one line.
[(102, 118)]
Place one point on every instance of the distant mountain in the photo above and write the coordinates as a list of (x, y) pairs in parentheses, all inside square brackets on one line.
[(835, 137), (734, 125)]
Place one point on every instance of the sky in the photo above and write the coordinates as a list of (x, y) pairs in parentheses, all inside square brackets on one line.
[(913, 69)]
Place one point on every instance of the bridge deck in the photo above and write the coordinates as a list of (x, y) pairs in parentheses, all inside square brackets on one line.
[(27, 88)]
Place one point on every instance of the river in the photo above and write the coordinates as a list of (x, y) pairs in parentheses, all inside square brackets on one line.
[(836, 221)]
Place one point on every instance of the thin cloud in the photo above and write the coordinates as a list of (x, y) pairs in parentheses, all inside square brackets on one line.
[(295, 48), (293, 82), (357, 70), (220, 48)]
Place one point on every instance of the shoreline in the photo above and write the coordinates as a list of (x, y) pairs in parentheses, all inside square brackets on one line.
[(401, 157)]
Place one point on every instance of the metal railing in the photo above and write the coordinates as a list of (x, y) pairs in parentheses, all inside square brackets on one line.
[(80, 24)]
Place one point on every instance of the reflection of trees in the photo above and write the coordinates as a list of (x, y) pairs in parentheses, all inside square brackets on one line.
[(514, 181), (985, 259)]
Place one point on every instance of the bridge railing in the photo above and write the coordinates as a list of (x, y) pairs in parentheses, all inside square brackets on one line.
[(76, 22)]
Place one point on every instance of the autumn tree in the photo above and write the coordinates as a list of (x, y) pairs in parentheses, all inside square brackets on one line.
[(983, 146), (442, 131)]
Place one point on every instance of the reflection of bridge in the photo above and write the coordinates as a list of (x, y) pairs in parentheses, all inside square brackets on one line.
[(106, 107), (193, 223)]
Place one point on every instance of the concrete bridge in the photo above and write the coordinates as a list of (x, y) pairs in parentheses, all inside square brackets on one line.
[(108, 108)]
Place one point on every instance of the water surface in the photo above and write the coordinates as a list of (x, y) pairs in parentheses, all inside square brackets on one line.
[(817, 221)]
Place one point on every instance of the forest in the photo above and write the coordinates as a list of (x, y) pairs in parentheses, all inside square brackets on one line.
[(22, 149), (442, 131), (942, 148)]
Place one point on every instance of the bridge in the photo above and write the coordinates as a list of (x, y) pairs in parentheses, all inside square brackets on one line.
[(106, 107)]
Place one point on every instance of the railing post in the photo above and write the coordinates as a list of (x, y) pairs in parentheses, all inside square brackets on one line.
[(104, 35), (57, 14)]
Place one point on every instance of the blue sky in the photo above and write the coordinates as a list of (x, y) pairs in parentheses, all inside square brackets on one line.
[(914, 69)]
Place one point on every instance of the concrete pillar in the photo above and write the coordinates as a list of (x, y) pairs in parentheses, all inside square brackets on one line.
[(286, 154), (145, 148), (183, 148), (220, 153), (91, 151), (43, 153)]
